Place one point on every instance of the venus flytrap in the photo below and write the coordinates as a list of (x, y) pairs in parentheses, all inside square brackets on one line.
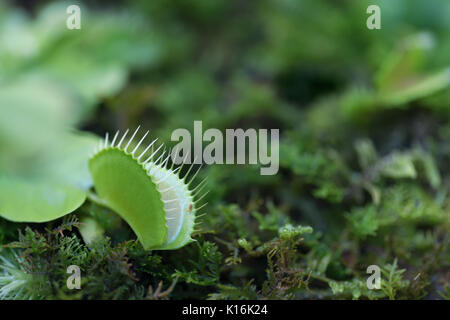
[(150, 196)]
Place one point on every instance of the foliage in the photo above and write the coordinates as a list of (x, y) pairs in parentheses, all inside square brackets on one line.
[(364, 118)]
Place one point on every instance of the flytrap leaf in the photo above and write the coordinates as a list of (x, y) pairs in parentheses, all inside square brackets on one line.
[(148, 194), (52, 185), (37, 201)]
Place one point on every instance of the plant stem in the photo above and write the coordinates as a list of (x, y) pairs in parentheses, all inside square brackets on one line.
[(95, 199)]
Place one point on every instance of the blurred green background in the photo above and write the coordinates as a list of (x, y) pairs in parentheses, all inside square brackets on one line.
[(364, 115)]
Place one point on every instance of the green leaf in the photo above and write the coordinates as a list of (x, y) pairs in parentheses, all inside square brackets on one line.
[(34, 201), (34, 114), (399, 165), (67, 160), (51, 185), (427, 166), (367, 155), (127, 188), (364, 221), (90, 230), (418, 89)]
